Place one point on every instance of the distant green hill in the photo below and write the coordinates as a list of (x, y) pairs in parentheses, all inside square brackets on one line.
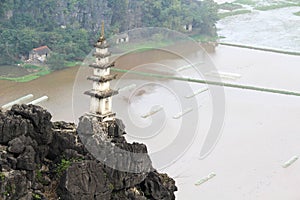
[(69, 27)]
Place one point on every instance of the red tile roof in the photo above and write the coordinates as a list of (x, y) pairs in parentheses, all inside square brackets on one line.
[(40, 48), (43, 50)]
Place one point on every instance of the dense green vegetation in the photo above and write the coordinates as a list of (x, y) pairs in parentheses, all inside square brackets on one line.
[(174, 14), (69, 27)]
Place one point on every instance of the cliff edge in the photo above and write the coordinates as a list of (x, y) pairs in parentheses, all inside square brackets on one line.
[(40, 159)]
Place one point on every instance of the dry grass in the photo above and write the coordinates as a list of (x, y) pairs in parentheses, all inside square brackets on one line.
[(50, 193)]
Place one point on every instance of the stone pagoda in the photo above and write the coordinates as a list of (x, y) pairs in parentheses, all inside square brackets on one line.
[(101, 94)]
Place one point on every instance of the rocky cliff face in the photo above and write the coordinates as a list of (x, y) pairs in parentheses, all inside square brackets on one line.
[(86, 14), (44, 160), (119, 15)]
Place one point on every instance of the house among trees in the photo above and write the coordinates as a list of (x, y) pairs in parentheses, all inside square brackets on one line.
[(122, 38), (188, 27), (39, 55)]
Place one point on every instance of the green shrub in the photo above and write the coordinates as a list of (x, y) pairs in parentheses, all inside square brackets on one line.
[(2, 176), (56, 61), (63, 166), (36, 197), (230, 6), (111, 186)]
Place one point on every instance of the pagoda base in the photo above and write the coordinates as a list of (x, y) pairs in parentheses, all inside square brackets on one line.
[(101, 117)]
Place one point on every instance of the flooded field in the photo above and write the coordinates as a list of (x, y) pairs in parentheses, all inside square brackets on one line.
[(12, 71), (278, 29)]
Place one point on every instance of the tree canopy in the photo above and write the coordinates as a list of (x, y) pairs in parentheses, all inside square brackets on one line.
[(69, 27)]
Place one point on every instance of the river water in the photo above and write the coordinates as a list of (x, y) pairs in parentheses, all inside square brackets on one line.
[(259, 133)]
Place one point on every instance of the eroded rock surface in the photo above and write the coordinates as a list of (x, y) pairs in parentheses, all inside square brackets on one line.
[(40, 159)]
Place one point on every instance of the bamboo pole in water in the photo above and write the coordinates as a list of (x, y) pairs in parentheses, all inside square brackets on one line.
[(17, 101), (39, 100), (295, 53), (216, 83)]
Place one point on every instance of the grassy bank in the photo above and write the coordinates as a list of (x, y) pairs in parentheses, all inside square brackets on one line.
[(204, 38), (230, 6), (36, 72), (72, 63), (27, 78), (138, 47), (245, 2), (237, 12), (161, 43), (276, 6)]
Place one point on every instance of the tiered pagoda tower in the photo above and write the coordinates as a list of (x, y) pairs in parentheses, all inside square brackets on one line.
[(101, 94)]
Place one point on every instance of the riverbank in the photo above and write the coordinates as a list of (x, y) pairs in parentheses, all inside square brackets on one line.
[(31, 72), (159, 42), (149, 46), (28, 77)]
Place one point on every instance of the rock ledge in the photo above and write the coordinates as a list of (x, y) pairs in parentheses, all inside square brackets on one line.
[(40, 159)]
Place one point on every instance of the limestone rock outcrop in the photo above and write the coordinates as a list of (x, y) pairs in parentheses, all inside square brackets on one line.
[(40, 159)]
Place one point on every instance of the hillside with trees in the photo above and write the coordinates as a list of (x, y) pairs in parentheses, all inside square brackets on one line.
[(69, 27)]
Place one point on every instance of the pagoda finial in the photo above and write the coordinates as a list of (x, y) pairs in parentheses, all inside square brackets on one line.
[(102, 37)]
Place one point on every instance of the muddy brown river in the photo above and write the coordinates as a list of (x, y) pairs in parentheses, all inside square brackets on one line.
[(256, 67), (260, 131)]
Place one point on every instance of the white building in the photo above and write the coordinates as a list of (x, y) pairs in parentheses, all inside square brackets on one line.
[(101, 94), (39, 54), (188, 27)]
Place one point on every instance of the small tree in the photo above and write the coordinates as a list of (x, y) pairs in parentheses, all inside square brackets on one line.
[(56, 61)]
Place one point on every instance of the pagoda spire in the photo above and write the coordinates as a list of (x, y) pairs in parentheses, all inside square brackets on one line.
[(102, 36), (101, 93)]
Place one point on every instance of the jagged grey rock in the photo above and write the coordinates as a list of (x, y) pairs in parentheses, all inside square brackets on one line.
[(64, 137), (26, 161), (16, 146), (85, 180), (14, 185), (159, 186), (47, 160), (39, 118)]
